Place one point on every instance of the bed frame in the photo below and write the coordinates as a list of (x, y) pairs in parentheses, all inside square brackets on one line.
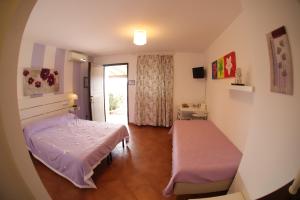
[(47, 105), (33, 109), (194, 188)]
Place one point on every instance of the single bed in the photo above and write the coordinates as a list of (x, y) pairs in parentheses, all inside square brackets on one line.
[(203, 159), (73, 147)]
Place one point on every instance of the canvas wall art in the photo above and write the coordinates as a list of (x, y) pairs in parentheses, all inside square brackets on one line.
[(280, 61), (220, 65), (224, 67), (40, 81), (214, 70), (229, 65)]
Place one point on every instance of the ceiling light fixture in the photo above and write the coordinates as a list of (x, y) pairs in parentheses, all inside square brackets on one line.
[(139, 37)]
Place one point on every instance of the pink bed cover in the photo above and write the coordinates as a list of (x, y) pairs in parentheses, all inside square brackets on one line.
[(73, 147), (201, 154)]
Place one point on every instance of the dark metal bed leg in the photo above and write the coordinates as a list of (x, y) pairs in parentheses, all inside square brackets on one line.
[(107, 160), (123, 145), (110, 156)]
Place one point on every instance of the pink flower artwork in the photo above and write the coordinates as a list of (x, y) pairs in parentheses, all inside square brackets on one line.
[(30, 80), (40, 81), (25, 72), (51, 80), (44, 73), (38, 84)]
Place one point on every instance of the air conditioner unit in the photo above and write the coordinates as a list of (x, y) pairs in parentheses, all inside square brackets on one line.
[(75, 56)]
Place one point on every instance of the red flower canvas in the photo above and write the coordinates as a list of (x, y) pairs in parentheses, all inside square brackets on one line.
[(40, 81), (229, 65)]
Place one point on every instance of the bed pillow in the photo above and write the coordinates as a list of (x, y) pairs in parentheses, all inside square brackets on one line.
[(47, 123)]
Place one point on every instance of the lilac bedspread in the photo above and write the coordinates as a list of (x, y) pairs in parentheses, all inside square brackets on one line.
[(73, 147), (201, 154)]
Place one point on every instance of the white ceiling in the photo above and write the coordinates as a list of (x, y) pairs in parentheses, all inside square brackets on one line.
[(105, 27)]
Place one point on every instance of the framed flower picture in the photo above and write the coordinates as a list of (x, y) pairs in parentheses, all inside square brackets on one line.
[(280, 61), (40, 81)]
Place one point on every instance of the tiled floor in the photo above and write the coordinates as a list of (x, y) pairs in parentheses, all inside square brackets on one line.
[(138, 172)]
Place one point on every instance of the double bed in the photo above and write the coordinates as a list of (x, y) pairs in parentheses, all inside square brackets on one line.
[(203, 159), (72, 147)]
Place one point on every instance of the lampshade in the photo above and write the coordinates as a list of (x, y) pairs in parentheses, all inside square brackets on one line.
[(139, 37), (73, 96)]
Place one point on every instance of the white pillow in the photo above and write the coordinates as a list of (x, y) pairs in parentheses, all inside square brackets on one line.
[(47, 123)]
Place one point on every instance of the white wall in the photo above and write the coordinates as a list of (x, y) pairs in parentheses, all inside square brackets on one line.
[(186, 89), (262, 124), (231, 110)]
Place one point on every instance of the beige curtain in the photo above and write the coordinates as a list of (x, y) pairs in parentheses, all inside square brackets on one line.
[(154, 90)]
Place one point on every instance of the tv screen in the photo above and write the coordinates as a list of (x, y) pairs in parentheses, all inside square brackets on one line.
[(198, 72)]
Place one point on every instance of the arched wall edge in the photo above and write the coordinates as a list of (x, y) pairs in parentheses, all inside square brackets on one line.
[(19, 180)]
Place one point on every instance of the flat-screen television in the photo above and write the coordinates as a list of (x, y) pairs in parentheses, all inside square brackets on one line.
[(198, 72)]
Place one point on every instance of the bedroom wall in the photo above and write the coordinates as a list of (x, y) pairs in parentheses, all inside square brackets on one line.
[(186, 89), (263, 124), (80, 70), (33, 54), (231, 110)]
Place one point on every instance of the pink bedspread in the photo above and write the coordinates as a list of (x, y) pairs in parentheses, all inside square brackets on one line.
[(73, 147), (201, 154)]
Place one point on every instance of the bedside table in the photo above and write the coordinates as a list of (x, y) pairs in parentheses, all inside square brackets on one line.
[(192, 112), (201, 115)]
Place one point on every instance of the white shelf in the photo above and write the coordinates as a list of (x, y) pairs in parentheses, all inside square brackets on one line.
[(244, 88)]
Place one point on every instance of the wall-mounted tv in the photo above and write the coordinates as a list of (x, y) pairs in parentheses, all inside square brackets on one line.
[(198, 72)]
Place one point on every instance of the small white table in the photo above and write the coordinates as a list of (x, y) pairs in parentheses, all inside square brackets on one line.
[(200, 115), (191, 113)]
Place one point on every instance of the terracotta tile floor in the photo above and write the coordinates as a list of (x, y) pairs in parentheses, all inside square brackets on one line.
[(138, 172)]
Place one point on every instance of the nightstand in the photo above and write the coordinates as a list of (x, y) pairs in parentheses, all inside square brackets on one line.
[(200, 115), (192, 112)]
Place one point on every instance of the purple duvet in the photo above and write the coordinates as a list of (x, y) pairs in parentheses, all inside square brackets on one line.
[(201, 154), (73, 147)]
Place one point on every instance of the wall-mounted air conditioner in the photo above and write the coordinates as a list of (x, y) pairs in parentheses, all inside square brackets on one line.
[(75, 56)]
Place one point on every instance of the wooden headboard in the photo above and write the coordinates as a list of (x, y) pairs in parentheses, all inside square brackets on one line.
[(32, 109)]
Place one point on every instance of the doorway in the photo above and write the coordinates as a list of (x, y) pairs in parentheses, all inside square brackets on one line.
[(116, 93), (96, 89)]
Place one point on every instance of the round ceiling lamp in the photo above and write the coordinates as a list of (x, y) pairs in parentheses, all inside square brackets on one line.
[(139, 37)]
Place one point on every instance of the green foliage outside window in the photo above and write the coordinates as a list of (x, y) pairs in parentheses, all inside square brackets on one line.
[(114, 101)]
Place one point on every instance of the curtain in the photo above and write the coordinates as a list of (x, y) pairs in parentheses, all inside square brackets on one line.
[(154, 90)]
